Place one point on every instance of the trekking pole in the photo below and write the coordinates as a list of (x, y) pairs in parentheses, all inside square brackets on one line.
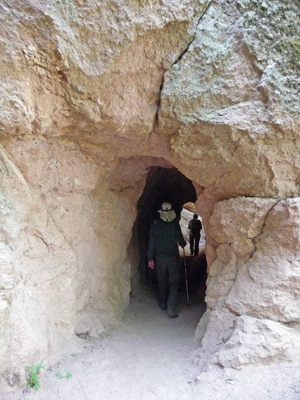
[(186, 280)]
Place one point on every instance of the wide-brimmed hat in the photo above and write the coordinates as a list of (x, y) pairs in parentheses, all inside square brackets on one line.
[(166, 212)]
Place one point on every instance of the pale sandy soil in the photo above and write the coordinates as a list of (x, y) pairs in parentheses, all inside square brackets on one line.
[(150, 357)]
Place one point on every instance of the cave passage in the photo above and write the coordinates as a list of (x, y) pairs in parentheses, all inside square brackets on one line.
[(166, 184)]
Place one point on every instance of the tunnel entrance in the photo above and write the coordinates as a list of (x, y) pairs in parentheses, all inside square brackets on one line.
[(166, 184)]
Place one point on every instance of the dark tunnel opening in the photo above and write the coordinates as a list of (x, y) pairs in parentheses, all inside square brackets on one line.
[(166, 184)]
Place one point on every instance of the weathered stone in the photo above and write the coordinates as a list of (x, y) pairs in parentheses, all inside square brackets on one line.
[(263, 286), (215, 329), (224, 253), (238, 219), (92, 96), (243, 249), (267, 285), (219, 101), (255, 340)]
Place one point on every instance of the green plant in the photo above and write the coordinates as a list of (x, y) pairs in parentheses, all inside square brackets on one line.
[(33, 380), (59, 375), (68, 375)]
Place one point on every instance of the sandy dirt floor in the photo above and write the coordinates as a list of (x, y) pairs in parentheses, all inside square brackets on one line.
[(150, 357)]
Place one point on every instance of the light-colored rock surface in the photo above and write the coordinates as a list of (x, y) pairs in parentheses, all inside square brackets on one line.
[(37, 268), (228, 105), (91, 97), (267, 285), (255, 340), (253, 282)]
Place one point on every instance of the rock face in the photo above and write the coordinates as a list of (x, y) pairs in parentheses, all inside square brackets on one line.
[(253, 284), (93, 95)]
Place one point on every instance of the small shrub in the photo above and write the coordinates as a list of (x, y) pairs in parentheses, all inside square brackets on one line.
[(33, 380), (68, 375)]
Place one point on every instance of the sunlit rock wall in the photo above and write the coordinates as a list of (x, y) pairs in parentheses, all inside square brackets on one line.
[(80, 86), (253, 282), (231, 106), (92, 94), (58, 275)]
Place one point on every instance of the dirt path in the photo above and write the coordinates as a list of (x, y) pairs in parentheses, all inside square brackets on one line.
[(149, 357), (145, 358)]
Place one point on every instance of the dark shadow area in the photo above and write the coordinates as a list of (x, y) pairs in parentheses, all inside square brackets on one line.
[(194, 280), (166, 184), (163, 184)]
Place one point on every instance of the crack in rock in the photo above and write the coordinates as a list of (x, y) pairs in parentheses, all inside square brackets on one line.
[(193, 39), (259, 234), (181, 55), (252, 255), (264, 223)]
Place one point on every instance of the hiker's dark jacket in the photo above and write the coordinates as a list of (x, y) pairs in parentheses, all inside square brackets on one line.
[(164, 239), (195, 226)]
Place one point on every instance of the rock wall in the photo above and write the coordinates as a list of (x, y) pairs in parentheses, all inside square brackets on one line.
[(95, 94), (253, 282), (228, 106), (59, 278)]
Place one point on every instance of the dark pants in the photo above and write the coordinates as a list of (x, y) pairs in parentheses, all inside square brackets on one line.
[(194, 244), (167, 270)]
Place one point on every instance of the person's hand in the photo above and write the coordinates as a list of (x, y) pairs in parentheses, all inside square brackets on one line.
[(151, 264)]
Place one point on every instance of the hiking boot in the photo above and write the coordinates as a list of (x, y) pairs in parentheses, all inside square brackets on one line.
[(172, 314)]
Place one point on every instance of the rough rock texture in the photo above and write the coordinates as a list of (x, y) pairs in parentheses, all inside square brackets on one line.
[(253, 281), (92, 95), (227, 103), (255, 340)]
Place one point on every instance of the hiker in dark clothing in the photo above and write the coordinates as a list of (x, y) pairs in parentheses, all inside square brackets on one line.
[(163, 255), (194, 228)]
